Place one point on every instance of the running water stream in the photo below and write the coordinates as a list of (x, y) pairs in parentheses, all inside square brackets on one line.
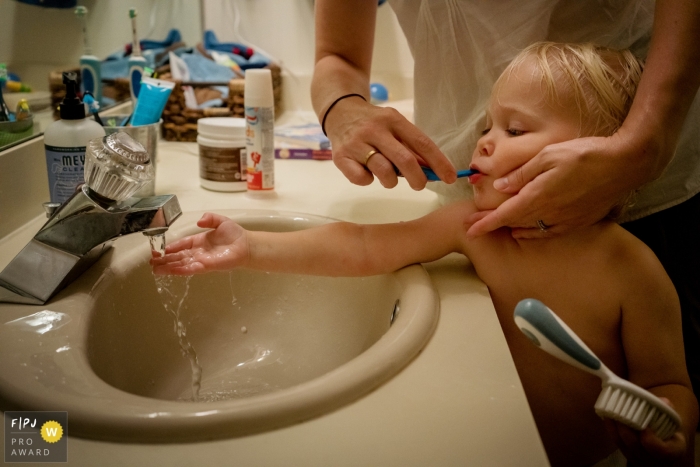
[(173, 304)]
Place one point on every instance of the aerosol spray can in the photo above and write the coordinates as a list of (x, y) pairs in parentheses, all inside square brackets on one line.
[(260, 135)]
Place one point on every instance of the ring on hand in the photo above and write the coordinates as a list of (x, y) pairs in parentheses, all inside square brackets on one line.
[(543, 227), (370, 154)]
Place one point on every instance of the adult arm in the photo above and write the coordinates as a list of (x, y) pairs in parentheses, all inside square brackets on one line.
[(577, 182), (344, 42)]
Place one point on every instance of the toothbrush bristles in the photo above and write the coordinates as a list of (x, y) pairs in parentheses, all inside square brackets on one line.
[(635, 412)]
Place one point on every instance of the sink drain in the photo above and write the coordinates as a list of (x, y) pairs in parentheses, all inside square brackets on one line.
[(394, 312)]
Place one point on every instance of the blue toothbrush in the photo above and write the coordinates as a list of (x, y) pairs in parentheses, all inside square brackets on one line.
[(432, 176)]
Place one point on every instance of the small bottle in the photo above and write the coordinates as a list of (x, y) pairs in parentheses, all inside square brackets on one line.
[(222, 153), (260, 134), (22, 112), (65, 141)]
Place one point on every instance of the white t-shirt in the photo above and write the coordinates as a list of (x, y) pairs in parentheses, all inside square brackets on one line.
[(460, 47)]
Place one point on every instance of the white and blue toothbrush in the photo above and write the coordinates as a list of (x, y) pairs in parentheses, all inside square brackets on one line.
[(90, 72), (137, 63), (619, 400)]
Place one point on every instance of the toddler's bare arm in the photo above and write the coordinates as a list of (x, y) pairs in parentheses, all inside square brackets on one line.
[(337, 249), (653, 343)]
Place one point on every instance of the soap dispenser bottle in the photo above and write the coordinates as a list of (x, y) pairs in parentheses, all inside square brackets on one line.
[(65, 141)]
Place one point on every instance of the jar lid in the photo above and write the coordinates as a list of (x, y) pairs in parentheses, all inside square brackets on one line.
[(221, 127), (127, 147)]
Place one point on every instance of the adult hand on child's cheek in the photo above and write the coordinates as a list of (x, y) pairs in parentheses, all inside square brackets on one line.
[(356, 128), (644, 448), (567, 185), (224, 247)]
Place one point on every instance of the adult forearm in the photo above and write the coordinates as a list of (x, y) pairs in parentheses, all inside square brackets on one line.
[(335, 77), (669, 83), (344, 42)]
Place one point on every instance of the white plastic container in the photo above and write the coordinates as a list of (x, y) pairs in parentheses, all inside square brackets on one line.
[(260, 135), (65, 142), (222, 153)]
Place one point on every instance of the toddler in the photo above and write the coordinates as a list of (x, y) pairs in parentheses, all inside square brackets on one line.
[(603, 282)]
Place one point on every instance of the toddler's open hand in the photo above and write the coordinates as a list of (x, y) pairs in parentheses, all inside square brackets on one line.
[(224, 247)]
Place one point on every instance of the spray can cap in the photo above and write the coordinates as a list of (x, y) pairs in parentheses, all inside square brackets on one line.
[(258, 88), (72, 107)]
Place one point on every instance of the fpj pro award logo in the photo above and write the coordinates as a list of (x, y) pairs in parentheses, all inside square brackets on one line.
[(36, 436)]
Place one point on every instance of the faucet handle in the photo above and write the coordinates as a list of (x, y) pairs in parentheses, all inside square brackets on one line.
[(116, 166)]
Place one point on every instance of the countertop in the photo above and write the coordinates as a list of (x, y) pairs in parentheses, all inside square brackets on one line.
[(459, 402)]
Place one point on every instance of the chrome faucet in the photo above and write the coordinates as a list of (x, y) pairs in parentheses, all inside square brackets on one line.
[(84, 227)]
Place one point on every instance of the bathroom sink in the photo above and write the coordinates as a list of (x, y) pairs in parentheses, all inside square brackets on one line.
[(273, 349)]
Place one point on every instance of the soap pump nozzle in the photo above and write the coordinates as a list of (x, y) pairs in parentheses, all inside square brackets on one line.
[(72, 107)]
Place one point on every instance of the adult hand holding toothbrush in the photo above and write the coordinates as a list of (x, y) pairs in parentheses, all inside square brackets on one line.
[(368, 141)]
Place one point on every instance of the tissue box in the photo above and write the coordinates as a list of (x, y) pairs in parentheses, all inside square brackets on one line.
[(180, 122)]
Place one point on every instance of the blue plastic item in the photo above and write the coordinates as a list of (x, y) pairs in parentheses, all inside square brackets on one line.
[(432, 176), (378, 92), (152, 99), (90, 76), (541, 318), (212, 43), (172, 37), (136, 65)]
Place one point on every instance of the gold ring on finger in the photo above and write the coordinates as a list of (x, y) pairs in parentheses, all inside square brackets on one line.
[(370, 154)]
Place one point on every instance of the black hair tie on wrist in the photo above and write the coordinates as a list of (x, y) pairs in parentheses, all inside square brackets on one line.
[(323, 122)]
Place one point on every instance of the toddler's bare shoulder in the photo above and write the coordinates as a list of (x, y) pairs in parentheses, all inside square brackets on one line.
[(630, 255)]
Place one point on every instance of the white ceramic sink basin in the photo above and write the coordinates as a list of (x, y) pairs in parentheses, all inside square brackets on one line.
[(274, 349)]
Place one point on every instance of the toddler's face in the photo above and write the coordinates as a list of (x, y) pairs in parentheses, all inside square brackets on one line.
[(519, 124)]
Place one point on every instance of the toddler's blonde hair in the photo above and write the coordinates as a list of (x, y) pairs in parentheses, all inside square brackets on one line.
[(600, 81)]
